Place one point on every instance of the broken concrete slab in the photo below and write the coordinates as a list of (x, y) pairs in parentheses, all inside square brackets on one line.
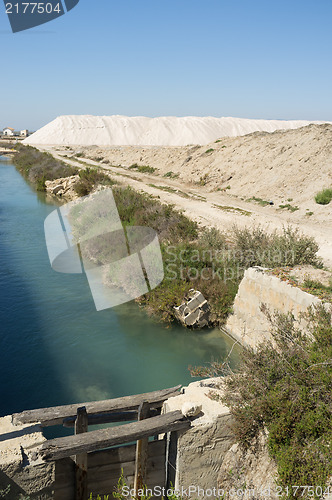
[(194, 312)]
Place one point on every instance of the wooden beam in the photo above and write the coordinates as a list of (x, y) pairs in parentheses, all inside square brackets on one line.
[(81, 460), (109, 418), (141, 453), (58, 448), (57, 414)]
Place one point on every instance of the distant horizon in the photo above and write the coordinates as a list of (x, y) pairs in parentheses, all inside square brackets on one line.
[(32, 130)]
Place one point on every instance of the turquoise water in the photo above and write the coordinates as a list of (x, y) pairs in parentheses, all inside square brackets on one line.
[(55, 348)]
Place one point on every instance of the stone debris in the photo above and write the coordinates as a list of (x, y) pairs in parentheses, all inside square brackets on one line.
[(64, 187), (194, 312), (190, 409)]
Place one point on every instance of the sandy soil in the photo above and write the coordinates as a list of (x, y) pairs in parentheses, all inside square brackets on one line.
[(286, 167)]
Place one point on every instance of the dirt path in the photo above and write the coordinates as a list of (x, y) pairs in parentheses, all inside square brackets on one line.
[(214, 209)]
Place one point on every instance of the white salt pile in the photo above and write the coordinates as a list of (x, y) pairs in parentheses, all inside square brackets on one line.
[(87, 130)]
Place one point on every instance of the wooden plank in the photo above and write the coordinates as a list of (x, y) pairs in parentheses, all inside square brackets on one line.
[(103, 478), (124, 453), (109, 418), (81, 460), (141, 452), (57, 414), (171, 456), (104, 470), (105, 438), (64, 486)]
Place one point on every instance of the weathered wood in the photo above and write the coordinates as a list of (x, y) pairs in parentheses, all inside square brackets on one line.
[(57, 414), (171, 455), (105, 438), (123, 454), (109, 418), (141, 452), (104, 470), (81, 460)]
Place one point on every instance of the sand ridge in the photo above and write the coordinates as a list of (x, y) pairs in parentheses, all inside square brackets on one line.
[(143, 131)]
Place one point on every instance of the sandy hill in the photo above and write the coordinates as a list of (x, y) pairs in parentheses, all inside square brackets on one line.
[(272, 166), (88, 130)]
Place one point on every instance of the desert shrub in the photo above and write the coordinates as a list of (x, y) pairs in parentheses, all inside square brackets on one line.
[(140, 209), (256, 247), (143, 169), (289, 207), (89, 178), (286, 387), (212, 238), (324, 197), (193, 265), (40, 185), (171, 174), (324, 292), (38, 167), (261, 202)]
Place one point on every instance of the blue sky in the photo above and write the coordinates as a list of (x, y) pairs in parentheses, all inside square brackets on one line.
[(251, 59)]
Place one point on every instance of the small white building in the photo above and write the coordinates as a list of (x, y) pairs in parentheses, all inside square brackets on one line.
[(8, 131), (24, 133)]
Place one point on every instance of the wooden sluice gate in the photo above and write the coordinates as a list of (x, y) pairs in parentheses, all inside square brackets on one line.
[(91, 462)]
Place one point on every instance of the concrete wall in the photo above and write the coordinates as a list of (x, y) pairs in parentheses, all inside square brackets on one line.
[(248, 324), (200, 450), (36, 482)]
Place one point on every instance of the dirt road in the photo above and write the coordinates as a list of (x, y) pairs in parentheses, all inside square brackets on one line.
[(213, 209)]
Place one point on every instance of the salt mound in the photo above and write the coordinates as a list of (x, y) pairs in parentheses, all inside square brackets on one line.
[(87, 130)]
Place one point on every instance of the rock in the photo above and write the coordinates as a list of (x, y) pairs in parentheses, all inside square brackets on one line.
[(251, 470), (190, 409), (25, 480), (195, 311), (64, 187)]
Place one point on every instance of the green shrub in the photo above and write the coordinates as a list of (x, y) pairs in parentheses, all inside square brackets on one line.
[(289, 207), (256, 247), (40, 185), (286, 388), (212, 238), (324, 292), (143, 169), (171, 174), (203, 180), (209, 151), (195, 265), (324, 197), (89, 178), (39, 167), (261, 202)]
